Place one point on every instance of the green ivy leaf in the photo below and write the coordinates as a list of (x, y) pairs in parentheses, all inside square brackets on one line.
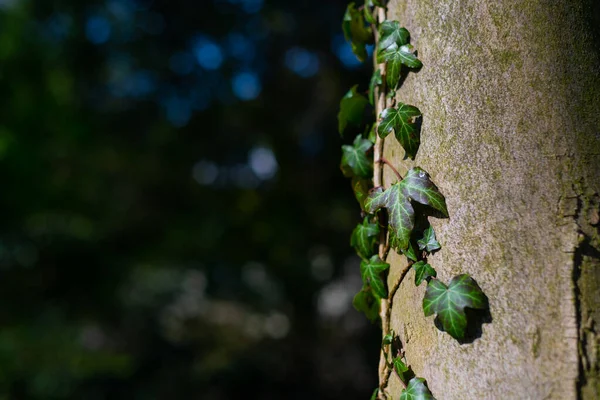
[(366, 302), (395, 57), (364, 239), (402, 121), (409, 252), (376, 199), (416, 390), (400, 211), (375, 81), (356, 32), (361, 190), (418, 186), (428, 242), (375, 393), (393, 240), (370, 271), (400, 368), (352, 109), (368, 13), (372, 136), (449, 302), (391, 33), (355, 161), (387, 339), (423, 271)]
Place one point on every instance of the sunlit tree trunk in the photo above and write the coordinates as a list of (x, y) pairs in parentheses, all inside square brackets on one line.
[(510, 96)]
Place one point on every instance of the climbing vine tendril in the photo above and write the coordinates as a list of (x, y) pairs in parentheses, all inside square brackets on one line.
[(396, 217)]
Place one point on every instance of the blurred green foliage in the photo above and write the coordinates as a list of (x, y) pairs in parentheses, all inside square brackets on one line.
[(171, 229)]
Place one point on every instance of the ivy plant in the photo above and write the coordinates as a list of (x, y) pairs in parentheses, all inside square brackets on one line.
[(449, 302), (428, 242), (397, 199), (370, 272), (416, 390), (352, 109), (364, 239), (423, 271), (355, 161), (356, 31), (401, 120), (394, 217)]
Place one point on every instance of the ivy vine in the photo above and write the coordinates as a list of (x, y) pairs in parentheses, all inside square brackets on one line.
[(395, 217)]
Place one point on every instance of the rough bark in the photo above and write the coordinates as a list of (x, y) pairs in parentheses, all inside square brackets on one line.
[(510, 93)]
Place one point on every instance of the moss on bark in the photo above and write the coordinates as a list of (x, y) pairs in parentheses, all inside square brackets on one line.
[(510, 93)]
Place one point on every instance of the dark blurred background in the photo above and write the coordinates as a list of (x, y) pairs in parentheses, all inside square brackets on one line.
[(174, 224)]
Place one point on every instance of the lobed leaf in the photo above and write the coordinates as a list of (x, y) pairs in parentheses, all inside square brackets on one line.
[(400, 212), (370, 272), (360, 187), (428, 241), (449, 302), (356, 32), (423, 271), (364, 239), (391, 33), (410, 252), (401, 215), (366, 302), (376, 199), (355, 161), (416, 390), (417, 185), (395, 57), (402, 121), (352, 110), (401, 368)]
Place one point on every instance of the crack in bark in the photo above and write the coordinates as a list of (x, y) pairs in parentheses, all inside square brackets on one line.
[(584, 255)]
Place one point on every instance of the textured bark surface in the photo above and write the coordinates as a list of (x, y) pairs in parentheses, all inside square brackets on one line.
[(510, 93)]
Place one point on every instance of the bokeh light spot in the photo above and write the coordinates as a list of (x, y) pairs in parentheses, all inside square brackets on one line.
[(246, 85), (208, 54), (263, 162), (302, 62), (97, 29)]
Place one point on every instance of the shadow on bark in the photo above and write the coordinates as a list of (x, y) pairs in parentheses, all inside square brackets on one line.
[(475, 321)]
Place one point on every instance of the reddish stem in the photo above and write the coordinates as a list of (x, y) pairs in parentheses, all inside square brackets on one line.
[(389, 164)]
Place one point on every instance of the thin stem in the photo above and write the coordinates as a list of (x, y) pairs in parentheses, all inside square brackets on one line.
[(386, 251), (385, 319), (378, 181), (389, 164), (386, 378), (400, 379)]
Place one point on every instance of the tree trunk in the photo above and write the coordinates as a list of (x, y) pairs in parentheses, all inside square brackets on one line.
[(510, 96)]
